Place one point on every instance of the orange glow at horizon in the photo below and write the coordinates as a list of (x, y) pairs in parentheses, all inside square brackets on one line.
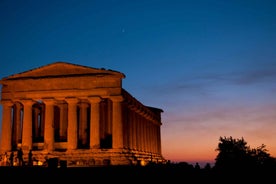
[(196, 140)]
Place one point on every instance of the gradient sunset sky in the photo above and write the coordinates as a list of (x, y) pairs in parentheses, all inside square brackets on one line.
[(210, 64)]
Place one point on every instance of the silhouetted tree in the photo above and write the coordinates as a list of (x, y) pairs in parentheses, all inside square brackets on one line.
[(235, 154), (262, 158), (207, 166), (232, 152)]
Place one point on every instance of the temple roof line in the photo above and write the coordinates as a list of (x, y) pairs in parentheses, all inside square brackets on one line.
[(63, 69)]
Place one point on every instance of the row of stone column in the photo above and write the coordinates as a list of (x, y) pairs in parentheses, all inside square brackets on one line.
[(133, 129), (143, 133), (8, 116)]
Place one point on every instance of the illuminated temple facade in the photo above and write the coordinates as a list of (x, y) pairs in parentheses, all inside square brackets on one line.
[(77, 114)]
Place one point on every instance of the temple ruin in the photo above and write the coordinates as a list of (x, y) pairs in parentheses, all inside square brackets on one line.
[(78, 115)]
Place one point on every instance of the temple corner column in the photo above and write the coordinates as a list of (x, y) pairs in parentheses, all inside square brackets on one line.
[(6, 139)]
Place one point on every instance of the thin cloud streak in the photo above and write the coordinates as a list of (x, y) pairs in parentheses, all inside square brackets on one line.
[(199, 83)]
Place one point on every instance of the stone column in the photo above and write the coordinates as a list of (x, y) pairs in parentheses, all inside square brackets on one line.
[(49, 136), (94, 122), (130, 129), (139, 143), (159, 139), (148, 134), (151, 137), (136, 135), (6, 144), (117, 122), (142, 133), (156, 139), (143, 136), (27, 133), (72, 139)]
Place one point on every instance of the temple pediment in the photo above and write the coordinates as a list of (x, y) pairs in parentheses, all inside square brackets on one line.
[(64, 69)]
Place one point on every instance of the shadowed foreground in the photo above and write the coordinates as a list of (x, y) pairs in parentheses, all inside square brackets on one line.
[(131, 174)]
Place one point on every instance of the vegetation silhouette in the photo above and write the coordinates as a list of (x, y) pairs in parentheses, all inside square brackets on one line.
[(235, 162), (236, 154)]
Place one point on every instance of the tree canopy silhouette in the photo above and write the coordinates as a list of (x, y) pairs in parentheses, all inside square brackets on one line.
[(236, 154)]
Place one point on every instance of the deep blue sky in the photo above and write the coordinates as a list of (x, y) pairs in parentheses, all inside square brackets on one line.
[(210, 64)]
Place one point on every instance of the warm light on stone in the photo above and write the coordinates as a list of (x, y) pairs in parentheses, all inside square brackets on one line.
[(78, 115)]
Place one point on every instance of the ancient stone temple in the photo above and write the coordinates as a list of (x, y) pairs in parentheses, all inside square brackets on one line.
[(78, 115)]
